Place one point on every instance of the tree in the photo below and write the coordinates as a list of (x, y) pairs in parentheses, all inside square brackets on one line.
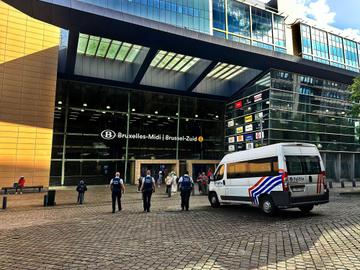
[(355, 97)]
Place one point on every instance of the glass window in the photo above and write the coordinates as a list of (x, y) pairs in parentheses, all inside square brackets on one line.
[(319, 44), (279, 32), (219, 174), (262, 25), (300, 165), (351, 56), (238, 15), (336, 48), (253, 168), (306, 39), (219, 14)]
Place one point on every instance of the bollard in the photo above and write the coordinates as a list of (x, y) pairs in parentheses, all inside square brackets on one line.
[(342, 184), (4, 205), (45, 200), (330, 184), (354, 183)]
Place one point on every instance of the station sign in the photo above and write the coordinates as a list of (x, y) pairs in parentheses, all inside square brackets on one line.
[(109, 135)]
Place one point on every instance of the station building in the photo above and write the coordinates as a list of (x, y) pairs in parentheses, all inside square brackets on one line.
[(90, 87)]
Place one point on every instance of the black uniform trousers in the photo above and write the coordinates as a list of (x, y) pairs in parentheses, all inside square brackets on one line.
[(116, 195), (185, 198), (81, 196), (147, 199)]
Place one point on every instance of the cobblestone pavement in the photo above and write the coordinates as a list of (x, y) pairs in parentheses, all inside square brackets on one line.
[(89, 236)]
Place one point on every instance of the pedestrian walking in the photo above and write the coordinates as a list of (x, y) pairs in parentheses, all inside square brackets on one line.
[(147, 188), (186, 184), (117, 188), (159, 181), (168, 182), (81, 188)]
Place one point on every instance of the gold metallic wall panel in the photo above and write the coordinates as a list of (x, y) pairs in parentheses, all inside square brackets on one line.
[(28, 73)]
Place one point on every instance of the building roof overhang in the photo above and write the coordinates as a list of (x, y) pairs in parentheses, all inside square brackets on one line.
[(79, 17)]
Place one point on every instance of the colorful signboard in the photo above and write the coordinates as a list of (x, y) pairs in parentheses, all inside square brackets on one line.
[(248, 128), (239, 130), (248, 119)]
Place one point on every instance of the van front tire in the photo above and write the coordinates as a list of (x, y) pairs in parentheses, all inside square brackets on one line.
[(213, 199), (267, 205), (306, 208)]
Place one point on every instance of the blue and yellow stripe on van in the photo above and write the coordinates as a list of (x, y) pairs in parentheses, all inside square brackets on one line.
[(264, 185)]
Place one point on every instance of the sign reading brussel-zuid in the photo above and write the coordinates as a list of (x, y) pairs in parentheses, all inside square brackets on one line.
[(109, 134)]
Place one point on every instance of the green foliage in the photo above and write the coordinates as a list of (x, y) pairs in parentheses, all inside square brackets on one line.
[(355, 97)]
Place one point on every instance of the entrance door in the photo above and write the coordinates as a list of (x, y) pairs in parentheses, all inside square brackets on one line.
[(155, 166)]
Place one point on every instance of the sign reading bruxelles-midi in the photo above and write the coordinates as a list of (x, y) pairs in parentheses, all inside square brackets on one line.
[(109, 134)]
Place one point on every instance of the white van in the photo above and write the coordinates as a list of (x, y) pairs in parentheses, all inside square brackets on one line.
[(283, 175)]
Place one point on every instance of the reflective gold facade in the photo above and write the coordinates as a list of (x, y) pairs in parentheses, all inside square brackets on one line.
[(28, 73)]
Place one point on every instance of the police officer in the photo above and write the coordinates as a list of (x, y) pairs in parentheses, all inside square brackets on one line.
[(147, 188), (117, 188), (186, 184)]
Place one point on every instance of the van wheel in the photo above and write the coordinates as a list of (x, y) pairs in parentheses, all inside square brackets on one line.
[(306, 208), (214, 201), (267, 205)]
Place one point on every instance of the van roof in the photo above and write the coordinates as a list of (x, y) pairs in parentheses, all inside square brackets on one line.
[(260, 152)]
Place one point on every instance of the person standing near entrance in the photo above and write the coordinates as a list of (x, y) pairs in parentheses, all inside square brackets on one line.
[(147, 188), (117, 188), (186, 184)]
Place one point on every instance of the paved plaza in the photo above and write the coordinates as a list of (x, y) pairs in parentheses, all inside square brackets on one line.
[(89, 236)]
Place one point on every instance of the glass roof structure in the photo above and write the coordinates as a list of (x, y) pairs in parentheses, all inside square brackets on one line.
[(173, 61), (224, 71), (106, 48)]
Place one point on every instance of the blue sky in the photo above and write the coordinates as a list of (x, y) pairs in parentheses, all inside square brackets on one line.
[(347, 13)]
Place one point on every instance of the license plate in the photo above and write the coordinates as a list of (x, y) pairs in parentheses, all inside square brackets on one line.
[(297, 179), (299, 189)]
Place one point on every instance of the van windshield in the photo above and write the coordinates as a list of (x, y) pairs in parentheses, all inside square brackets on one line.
[(219, 174), (300, 165)]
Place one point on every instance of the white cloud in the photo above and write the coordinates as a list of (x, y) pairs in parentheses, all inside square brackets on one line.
[(320, 11), (317, 12)]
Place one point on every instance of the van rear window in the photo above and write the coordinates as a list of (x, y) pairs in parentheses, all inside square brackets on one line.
[(300, 165)]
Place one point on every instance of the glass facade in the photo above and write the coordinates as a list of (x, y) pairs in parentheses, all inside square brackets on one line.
[(153, 121), (293, 108), (246, 24), (323, 47), (193, 15)]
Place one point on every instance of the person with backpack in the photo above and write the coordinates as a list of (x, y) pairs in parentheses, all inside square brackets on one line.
[(147, 188), (168, 182), (186, 184), (81, 188), (117, 188)]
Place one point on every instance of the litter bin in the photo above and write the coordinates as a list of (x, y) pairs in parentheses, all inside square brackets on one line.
[(51, 198)]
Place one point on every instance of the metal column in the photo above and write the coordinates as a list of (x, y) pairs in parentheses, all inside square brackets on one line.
[(178, 131), (127, 139), (64, 140)]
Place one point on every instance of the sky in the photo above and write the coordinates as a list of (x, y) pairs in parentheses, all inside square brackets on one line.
[(341, 14)]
